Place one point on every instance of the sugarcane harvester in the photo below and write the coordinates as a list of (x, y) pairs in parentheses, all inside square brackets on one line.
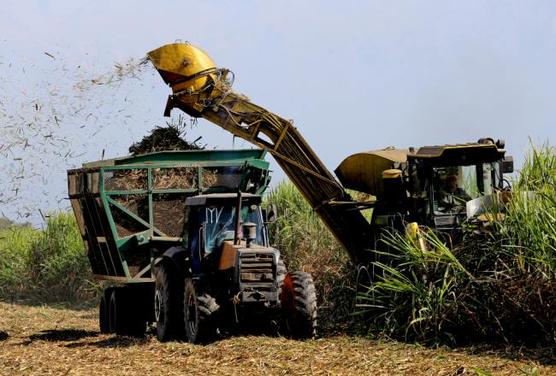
[(409, 188)]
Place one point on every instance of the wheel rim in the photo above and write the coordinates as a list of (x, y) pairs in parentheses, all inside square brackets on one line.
[(112, 313), (191, 315), (287, 301), (158, 306), (362, 282), (103, 316)]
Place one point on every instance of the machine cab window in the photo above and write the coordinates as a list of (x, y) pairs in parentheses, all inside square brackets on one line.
[(454, 186)]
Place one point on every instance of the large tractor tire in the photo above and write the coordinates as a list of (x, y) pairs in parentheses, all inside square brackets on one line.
[(123, 315), (168, 303), (298, 299), (198, 312)]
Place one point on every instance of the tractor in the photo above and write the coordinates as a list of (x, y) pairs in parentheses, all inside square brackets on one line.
[(183, 239)]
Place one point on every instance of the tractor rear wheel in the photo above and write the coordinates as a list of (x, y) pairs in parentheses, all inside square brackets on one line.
[(168, 298), (116, 311), (298, 299), (123, 316), (103, 321)]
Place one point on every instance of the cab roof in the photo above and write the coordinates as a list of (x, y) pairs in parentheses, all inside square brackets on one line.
[(459, 154), (363, 171)]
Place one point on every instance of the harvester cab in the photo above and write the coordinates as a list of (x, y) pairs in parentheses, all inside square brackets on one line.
[(458, 182), (437, 186)]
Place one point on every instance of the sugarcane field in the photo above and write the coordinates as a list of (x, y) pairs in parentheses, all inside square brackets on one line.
[(276, 188)]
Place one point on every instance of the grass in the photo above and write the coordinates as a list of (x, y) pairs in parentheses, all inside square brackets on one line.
[(416, 291), (47, 265), (530, 228), (499, 284), (306, 244)]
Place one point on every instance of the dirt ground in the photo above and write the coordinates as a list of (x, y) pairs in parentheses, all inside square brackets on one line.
[(45, 340)]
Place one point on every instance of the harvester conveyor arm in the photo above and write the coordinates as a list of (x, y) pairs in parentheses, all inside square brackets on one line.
[(202, 90)]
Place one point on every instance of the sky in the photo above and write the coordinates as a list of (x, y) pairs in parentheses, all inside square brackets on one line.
[(353, 75)]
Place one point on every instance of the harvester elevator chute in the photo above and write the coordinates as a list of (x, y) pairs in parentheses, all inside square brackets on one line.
[(202, 90)]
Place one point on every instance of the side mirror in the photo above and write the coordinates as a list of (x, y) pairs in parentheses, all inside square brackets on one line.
[(507, 164), (270, 214)]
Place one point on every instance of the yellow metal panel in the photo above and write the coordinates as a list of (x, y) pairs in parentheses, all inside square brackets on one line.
[(392, 173), (363, 171), (437, 151), (178, 61)]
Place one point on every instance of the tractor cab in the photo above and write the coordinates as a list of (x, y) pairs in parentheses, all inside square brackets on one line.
[(212, 221), (227, 242)]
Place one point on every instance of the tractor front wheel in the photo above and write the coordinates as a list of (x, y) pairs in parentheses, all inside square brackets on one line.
[(298, 300), (198, 310), (168, 298)]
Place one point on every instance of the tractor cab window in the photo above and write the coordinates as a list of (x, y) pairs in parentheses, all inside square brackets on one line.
[(454, 186), (220, 222)]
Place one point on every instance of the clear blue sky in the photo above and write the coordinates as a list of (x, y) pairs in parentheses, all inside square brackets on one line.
[(353, 75)]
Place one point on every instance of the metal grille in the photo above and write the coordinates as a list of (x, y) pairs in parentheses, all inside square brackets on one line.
[(256, 267)]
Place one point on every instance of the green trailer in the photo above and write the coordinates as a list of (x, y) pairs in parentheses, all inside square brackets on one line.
[(128, 208), (183, 239)]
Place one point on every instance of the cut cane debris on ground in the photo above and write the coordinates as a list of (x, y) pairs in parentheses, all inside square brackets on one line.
[(44, 340)]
